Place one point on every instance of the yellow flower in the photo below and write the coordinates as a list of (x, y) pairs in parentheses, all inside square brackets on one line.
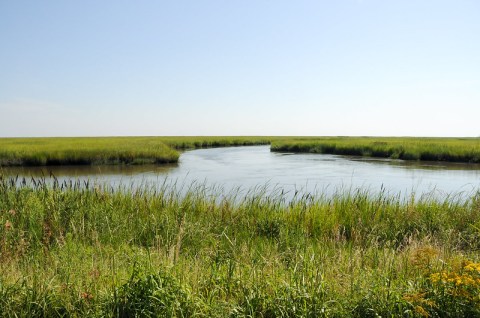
[(467, 280), (435, 277), (471, 267)]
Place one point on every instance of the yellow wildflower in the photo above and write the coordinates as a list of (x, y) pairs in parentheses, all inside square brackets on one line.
[(435, 277)]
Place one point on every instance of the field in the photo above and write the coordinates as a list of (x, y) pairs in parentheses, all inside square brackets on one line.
[(138, 150), (406, 148), (90, 251)]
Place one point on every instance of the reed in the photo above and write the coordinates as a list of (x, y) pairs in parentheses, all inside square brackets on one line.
[(80, 249)]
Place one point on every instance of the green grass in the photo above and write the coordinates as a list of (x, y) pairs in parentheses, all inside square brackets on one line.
[(107, 150), (78, 151), (215, 141), (91, 251), (407, 148), (140, 150)]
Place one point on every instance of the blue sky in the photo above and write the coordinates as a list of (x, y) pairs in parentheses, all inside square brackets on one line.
[(346, 67)]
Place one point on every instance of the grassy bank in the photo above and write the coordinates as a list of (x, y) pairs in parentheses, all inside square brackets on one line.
[(218, 141), (138, 150), (433, 149), (107, 150), (81, 250)]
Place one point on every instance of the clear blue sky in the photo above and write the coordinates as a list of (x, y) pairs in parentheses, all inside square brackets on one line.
[(346, 67)]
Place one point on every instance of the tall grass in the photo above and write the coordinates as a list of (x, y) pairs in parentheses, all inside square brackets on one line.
[(191, 142), (139, 150), (87, 250), (107, 150), (75, 151), (433, 149)]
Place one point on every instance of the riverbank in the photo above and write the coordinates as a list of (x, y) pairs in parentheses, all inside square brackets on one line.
[(82, 250), (405, 148), (158, 150), (108, 150)]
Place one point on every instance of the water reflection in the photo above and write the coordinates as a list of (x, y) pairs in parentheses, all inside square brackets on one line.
[(87, 170), (426, 165)]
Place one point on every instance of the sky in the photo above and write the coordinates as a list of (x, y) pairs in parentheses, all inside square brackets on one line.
[(250, 67)]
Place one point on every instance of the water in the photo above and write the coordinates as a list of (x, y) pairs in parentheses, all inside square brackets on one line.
[(248, 167)]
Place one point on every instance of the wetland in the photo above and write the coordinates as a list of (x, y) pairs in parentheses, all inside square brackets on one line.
[(232, 168), (236, 231)]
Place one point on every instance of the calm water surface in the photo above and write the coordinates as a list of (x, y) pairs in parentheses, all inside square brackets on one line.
[(248, 167)]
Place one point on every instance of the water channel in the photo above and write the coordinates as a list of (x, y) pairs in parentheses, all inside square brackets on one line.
[(231, 168)]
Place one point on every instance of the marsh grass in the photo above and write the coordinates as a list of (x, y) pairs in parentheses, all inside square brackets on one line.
[(407, 148), (147, 150), (87, 250), (107, 150), (191, 142), (82, 151)]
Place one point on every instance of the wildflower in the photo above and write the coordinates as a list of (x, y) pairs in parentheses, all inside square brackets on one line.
[(467, 280), (8, 225), (435, 277), (12, 212), (472, 267), (421, 311)]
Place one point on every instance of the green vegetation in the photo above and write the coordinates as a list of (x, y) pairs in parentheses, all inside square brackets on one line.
[(91, 251), (209, 141), (77, 151), (139, 150), (407, 148), (107, 150)]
